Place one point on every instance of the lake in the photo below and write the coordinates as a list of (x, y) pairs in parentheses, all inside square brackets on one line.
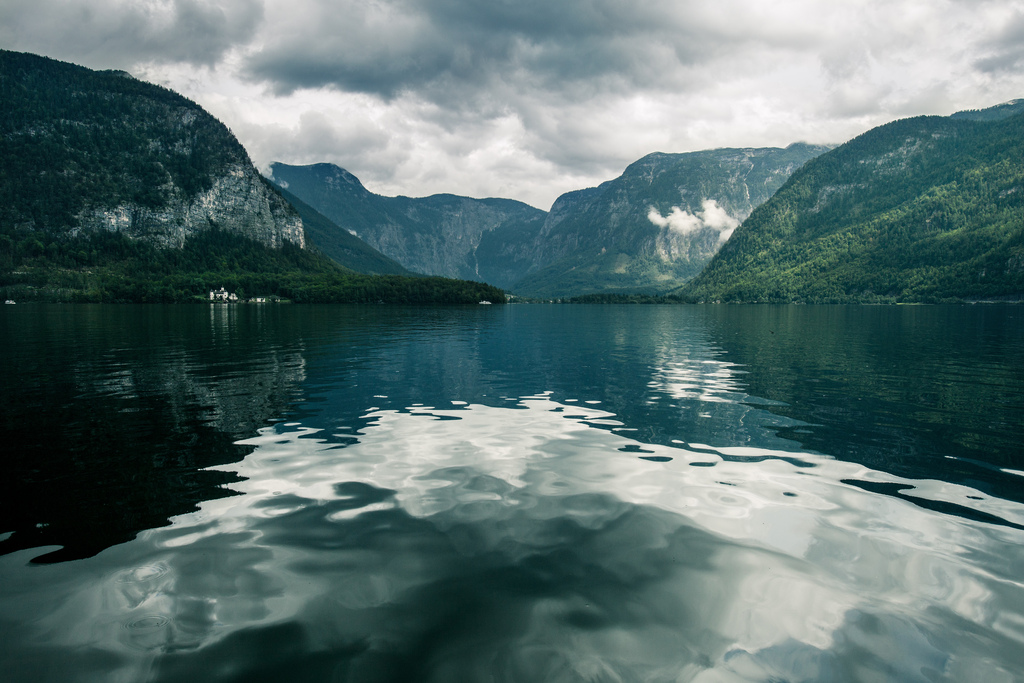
[(512, 493)]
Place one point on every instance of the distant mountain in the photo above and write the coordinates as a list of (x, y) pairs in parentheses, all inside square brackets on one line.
[(340, 245), (658, 223), (84, 151), (437, 235), (922, 209), (651, 228)]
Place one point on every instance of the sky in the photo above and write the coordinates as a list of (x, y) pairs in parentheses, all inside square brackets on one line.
[(528, 99)]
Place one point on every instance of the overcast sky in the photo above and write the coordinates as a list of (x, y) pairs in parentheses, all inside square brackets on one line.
[(531, 98)]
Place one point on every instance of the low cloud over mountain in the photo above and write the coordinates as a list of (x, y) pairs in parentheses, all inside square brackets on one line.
[(711, 216)]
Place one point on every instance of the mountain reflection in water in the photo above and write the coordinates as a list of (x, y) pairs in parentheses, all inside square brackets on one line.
[(112, 413), (427, 505)]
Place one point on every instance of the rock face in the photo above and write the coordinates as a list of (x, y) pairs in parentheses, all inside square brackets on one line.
[(650, 229), (657, 224), (439, 235), (239, 202), (923, 209), (340, 245), (87, 150)]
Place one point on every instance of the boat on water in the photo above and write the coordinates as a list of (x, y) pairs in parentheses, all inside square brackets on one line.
[(10, 301), (488, 303)]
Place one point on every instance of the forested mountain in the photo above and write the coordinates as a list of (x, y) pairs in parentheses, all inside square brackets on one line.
[(654, 226), (996, 113), (438, 235), (658, 223), (84, 150), (922, 209), (112, 189)]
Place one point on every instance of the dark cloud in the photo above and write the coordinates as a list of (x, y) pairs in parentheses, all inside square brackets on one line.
[(360, 142), (528, 98), (109, 33), (1007, 50), (451, 48)]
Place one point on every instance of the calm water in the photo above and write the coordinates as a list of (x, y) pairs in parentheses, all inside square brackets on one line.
[(512, 493)]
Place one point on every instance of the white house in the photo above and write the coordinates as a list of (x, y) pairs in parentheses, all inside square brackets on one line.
[(222, 295)]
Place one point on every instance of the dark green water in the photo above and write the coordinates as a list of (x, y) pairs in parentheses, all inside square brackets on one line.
[(512, 493)]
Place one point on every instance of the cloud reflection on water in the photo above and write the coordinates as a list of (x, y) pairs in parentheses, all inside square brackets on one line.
[(486, 543)]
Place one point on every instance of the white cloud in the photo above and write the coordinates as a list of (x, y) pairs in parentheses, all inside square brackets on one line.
[(678, 220), (534, 98), (711, 216)]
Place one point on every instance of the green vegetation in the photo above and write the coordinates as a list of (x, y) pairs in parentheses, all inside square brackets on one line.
[(72, 139), (340, 245), (444, 234), (613, 272), (594, 240), (996, 113), (606, 298), (109, 267), (927, 209), (604, 240)]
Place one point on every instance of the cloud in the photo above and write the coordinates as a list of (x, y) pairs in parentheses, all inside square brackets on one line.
[(452, 50), (533, 98), (711, 216), (581, 88), (1008, 48), (678, 220), (121, 33)]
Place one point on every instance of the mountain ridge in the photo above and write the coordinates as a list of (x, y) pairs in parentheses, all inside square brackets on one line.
[(340, 245), (842, 230), (598, 239), (436, 235), (117, 190), (658, 222), (131, 157)]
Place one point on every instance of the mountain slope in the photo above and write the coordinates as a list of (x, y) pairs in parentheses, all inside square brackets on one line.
[(658, 223), (921, 209), (340, 245), (83, 150), (115, 190), (647, 230), (996, 113), (438, 235)]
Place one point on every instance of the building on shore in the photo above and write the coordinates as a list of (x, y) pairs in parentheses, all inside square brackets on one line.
[(223, 295)]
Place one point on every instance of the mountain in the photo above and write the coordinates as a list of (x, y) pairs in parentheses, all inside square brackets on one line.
[(996, 113), (84, 151), (922, 209), (116, 190), (658, 223), (340, 245), (438, 235), (654, 226)]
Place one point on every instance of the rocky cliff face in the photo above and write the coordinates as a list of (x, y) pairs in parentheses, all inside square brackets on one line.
[(239, 202), (443, 233), (922, 209), (658, 223), (651, 228), (439, 235), (87, 150)]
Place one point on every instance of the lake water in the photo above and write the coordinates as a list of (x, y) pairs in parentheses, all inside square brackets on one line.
[(512, 493)]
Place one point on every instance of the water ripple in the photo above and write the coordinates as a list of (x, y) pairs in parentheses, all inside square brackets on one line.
[(535, 542)]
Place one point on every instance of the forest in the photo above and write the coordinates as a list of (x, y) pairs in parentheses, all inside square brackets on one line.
[(108, 267), (924, 210)]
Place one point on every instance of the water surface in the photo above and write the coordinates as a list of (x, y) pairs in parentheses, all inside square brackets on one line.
[(516, 493)]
